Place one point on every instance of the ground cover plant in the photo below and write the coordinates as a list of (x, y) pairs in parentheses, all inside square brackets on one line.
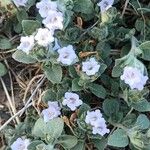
[(75, 74)]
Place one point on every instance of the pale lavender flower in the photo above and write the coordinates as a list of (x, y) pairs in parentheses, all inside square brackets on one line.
[(54, 20), (20, 2), (100, 128), (93, 117), (20, 144), (67, 55), (44, 37), (105, 5), (27, 43), (45, 6), (72, 100), (98, 123), (90, 67), (134, 78), (53, 111)]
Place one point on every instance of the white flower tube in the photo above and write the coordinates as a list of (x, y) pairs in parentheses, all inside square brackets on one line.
[(27, 43), (98, 123), (54, 20), (90, 67), (134, 78), (45, 6), (53, 111), (105, 5), (67, 55), (20, 144), (44, 37), (72, 100)]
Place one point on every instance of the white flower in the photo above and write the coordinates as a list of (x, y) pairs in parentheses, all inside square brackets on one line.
[(53, 111), (134, 78), (105, 5), (54, 20), (27, 43), (67, 55), (20, 144), (20, 2), (101, 128), (45, 6), (93, 117), (72, 100), (44, 37), (90, 67), (98, 123)]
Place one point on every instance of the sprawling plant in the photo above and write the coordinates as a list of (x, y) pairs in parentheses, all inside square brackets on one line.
[(95, 58)]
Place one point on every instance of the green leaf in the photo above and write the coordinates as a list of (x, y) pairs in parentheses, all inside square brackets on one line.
[(145, 47), (39, 129), (129, 120), (33, 144), (49, 95), (3, 70), (142, 122), (30, 26), (118, 138), (67, 141), (100, 144), (54, 73), (83, 108), (75, 85), (22, 15), (67, 17), (45, 147), (21, 56), (79, 146), (64, 5), (135, 96), (83, 6), (54, 128), (110, 106), (99, 33), (51, 130), (5, 44), (141, 106), (97, 90), (128, 60), (72, 72)]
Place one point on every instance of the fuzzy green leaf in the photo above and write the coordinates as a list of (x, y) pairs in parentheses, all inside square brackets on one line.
[(49, 95), (3, 70), (79, 146), (141, 106), (145, 47), (142, 122), (67, 141), (97, 90), (51, 129), (21, 56), (30, 26), (128, 60), (5, 44), (54, 73), (118, 138), (83, 6), (110, 106), (33, 144), (75, 85)]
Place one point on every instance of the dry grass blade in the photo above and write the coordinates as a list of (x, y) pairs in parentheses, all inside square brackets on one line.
[(28, 104), (13, 108)]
